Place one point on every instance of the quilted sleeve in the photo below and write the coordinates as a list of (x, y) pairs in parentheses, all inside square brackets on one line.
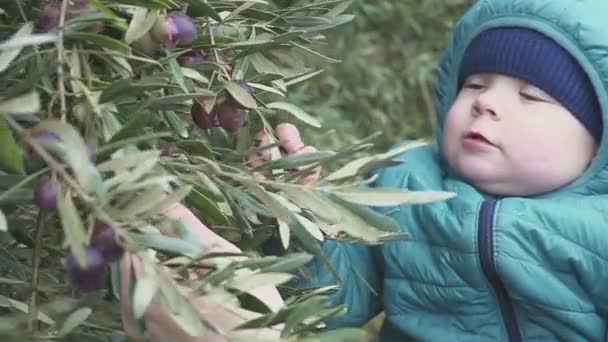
[(361, 288)]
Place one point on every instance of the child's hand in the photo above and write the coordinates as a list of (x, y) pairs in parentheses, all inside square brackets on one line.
[(158, 321), (291, 144)]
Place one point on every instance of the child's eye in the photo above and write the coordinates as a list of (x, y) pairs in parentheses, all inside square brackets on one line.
[(530, 97), (471, 85), (532, 93)]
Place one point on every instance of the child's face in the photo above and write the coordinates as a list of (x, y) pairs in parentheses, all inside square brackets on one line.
[(508, 137)]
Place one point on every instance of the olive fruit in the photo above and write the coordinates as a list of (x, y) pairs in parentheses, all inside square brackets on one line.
[(175, 28), (89, 277), (45, 194), (201, 117), (104, 239), (231, 116)]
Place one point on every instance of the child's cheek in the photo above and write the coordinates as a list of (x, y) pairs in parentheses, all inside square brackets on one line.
[(450, 134), (455, 119), (534, 155)]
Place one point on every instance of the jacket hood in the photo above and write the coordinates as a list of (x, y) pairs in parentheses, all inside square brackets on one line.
[(580, 27)]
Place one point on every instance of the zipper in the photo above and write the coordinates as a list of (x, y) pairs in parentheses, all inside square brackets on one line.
[(485, 244)]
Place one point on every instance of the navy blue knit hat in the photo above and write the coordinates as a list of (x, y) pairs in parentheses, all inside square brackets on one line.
[(535, 58)]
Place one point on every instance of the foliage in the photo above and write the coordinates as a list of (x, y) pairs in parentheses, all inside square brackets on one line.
[(385, 80), (99, 111)]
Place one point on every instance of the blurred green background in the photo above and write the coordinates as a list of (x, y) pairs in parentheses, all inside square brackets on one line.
[(385, 80)]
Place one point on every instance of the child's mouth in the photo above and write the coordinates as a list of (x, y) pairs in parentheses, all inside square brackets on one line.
[(477, 138)]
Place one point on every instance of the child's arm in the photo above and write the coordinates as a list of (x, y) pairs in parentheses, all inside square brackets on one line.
[(361, 288), (159, 323)]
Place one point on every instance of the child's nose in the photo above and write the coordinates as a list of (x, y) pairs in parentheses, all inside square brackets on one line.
[(486, 104)]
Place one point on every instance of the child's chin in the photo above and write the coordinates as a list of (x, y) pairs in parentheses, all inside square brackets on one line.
[(483, 178), (477, 168)]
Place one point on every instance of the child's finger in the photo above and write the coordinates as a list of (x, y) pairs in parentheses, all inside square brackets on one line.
[(313, 176), (210, 241), (257, 158), (289, 136)]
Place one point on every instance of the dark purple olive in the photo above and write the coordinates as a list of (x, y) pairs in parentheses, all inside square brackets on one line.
[(92, 276), (49, 17), (201, 117), (104, 239), (45, 194), (192, 58), (230, 116), (175, 28)]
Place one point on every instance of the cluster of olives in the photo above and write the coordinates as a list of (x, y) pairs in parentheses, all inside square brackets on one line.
[(104, 247), (103, 250), (228, 114), (170, 30)]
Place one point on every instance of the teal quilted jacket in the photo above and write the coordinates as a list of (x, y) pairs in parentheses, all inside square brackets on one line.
[(479, 268)]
